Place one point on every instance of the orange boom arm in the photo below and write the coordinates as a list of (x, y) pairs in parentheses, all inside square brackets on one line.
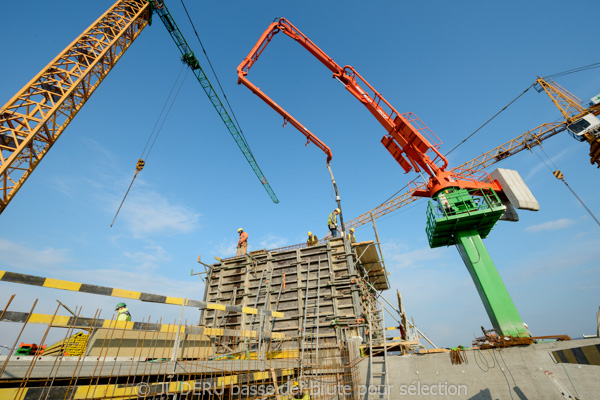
[(409, 141)]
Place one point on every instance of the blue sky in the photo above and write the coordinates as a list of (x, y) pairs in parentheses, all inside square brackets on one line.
[(453, 64)]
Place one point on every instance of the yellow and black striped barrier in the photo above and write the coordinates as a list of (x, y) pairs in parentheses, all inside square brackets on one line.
[(91, 323), (587, 355), (13, 277), (143, 390)]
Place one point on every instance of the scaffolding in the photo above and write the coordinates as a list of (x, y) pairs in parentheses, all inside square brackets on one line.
[(133, 360), (270, 321), (323, 290)]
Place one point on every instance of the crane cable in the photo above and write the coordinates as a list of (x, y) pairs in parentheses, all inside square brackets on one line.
[(217, 78), (489, 120), (183, 65), (559, 175), (558, 74), (572, 71), (154, 133)]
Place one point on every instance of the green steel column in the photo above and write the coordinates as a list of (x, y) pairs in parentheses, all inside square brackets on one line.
[(496, 300)]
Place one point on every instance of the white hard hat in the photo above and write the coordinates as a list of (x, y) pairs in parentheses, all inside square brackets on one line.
[(338, 210)]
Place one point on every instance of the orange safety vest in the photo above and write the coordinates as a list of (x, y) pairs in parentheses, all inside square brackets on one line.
[(243, 238)]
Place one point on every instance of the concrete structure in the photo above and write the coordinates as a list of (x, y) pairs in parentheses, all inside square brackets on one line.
[(304, 314), (510, 373), (322, 290)]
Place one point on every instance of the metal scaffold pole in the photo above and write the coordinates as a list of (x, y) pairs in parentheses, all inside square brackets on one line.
[(337, 197)]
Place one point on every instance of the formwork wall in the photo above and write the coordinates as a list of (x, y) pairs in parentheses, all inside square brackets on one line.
[(338, 303)]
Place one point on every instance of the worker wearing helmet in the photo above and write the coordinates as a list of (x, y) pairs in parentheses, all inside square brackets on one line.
[(527, 329), (350, 236), (242, 243), (332, 222), (312, 239), (122, 312), (298, 394)]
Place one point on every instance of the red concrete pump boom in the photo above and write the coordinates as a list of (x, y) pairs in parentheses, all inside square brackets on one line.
[(408, 140)]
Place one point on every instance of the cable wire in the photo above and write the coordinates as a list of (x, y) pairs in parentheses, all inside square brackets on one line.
[(495, 115), (165, 117), (397, 211), (147, 154), (563, 73), (503, 373), (572, 71), (394, 195), (567, 185), (162, 111), (217, 78)]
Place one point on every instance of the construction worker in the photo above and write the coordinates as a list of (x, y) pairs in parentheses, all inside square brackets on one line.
[(298, 394), (332, 222), (122, 312), (242, 243), (527, 329), (312, 239), (350, 236)]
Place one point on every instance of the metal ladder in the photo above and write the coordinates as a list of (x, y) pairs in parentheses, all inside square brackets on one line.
[(314, 308), (226, 313), (383, 388), (261, 291), (303, 331)]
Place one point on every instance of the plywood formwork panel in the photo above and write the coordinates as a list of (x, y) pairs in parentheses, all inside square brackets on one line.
[(321, 270), (368, 258)]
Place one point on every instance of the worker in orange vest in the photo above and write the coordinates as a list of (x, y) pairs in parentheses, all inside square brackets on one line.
[(242, 243)]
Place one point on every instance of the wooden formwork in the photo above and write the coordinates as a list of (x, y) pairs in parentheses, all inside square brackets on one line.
[(336, 306)]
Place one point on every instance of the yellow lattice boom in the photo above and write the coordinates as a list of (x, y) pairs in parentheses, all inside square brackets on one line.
[(32, 121)]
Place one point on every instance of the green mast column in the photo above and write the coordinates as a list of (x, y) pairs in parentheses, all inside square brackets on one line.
[(458, 217), (497, 302)]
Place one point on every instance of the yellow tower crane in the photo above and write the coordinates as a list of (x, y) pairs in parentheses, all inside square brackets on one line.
[(32, 121)]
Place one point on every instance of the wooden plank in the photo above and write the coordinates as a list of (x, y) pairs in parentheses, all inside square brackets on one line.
[(370, 260), (427, 351)]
